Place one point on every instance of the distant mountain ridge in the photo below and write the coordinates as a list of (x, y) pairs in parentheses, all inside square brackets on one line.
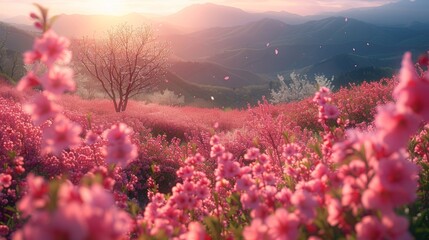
[(208, 15), (400, 13), (210, 42)]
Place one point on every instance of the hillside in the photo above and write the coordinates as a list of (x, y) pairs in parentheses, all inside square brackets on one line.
[(212, 74), (16, 40)]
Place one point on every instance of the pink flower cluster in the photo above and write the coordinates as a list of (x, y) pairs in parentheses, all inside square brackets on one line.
[(119, 149), (383, 178), (66, 211), (51, 51)]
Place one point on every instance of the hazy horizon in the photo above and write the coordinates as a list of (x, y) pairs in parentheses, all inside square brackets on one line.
[(11, 8)]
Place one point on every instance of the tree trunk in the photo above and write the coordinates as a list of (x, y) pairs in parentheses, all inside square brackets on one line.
[(124, 105), (115, 105)]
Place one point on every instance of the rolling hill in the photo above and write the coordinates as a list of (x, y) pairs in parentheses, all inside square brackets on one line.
[(16, 39), (212, 74)]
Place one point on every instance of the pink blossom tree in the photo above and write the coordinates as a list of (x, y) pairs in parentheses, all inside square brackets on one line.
[(126, 63)]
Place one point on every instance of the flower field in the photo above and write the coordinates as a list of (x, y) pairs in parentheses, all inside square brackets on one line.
[(353, 164)]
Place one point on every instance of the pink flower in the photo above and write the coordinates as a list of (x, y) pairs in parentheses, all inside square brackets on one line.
[(250, 199), (49, 49), (214, 140), (41, 108), (217, 150), (60, 135), (36, 196), (30, 57), (119, 149), (68, 222), (58, 80), (284, 196), (91, 138), (256, 231), (395, 128), (396, 227), (4, 230), (334, 212), (399, 175), (282, 225), (196, 231), (305, 203), (252, 154), (244, 183), (118, 133), (28, 81), (230, 170), (411, 93), (370, 228), (330, 111), (5, 180), (394, 184), (103, 219), (120, 154)]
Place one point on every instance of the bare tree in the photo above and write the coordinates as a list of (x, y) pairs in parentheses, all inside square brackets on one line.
[(128, 62)]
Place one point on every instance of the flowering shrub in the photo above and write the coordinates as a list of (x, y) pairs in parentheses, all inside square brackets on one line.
[(299, 87), (340, 175)]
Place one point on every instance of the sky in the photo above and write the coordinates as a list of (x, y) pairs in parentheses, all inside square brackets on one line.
[(10, 8)]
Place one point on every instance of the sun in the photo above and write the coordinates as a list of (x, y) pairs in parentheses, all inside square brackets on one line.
[(109, 7)]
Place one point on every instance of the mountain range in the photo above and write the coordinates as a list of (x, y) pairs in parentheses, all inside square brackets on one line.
[(228, 49)]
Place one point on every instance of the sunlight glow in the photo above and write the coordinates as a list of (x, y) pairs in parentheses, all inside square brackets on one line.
[(109, 7)]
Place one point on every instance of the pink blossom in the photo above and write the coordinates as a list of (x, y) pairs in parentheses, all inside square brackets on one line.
[(370, 228), (58, 80), (196, 231), (5, 180), (398, 174), (119, 149), (256, 231), (28, 81), (214, 140), (396, 227), (244, 183), (395, 128), (334, 212), (319, 171), (41, 108), (395, 184), (230, 170), (120, 154), (67, 222), (104, 220), (4, 230), (91, 138), (36, 196), (217, 150), (250, 199), (330, 111), (60, 135), (30, 57), (49, 49), (284, 196), (305, 203), (282, 225), (412, 90), (252, 154)]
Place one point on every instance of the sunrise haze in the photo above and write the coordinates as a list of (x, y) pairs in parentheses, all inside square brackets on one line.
[(11, 8)]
